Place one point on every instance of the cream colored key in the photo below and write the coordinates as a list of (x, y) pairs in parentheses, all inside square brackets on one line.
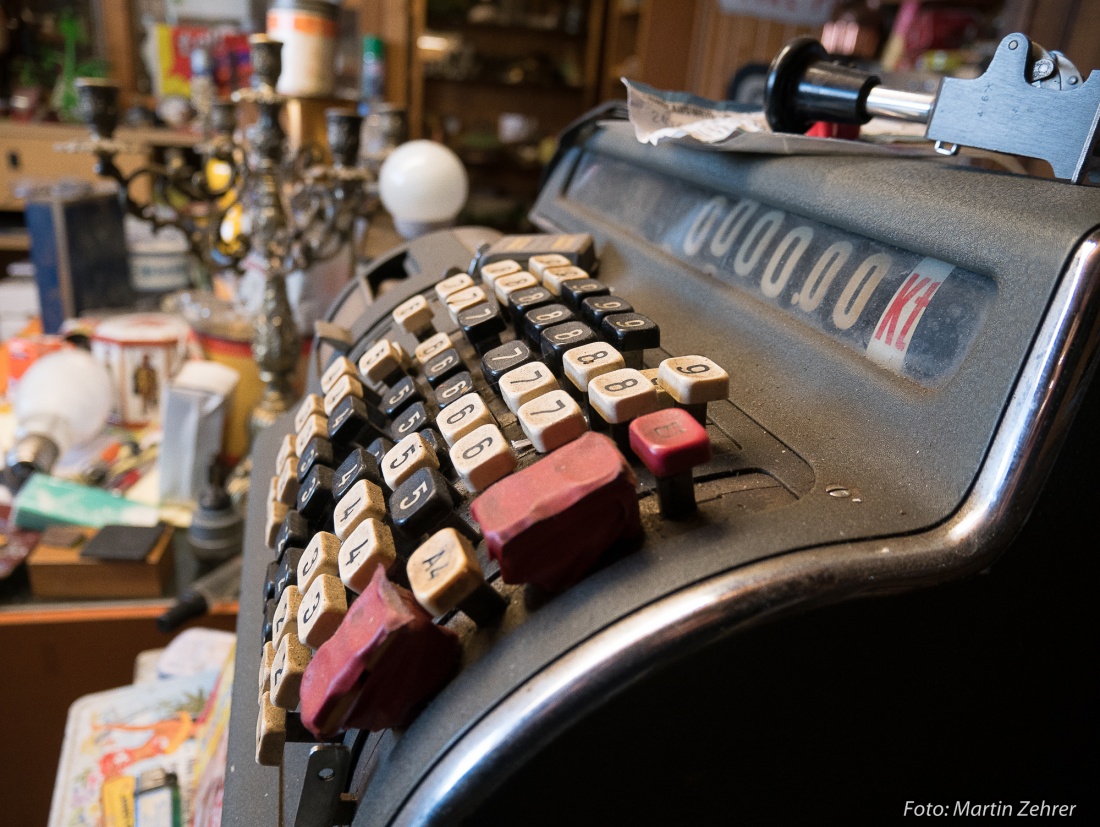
[(693, 380), (291, 659), (463, 300), (366, 548), (409, 455), (444, 574), (524, 383), (554, 277), (491, 272), (316, 425), (507, 285), (286, 613), (583, 364), (453, 285), (414, 315), (270, 733), (265, 667), (362, 501), (622, 395), (482, 457), (663, 398), (346, 386), (273, 488), (381, 360), (462, 416), (431, 347), (287, 448), (311, 405), (276, 513), (540, 264), (286, 491), (321, 557), (551, 420), (341, 366), (323, 607)]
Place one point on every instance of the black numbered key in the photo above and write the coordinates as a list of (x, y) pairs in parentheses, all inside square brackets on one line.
[(270, 606), (379, 448), (596, 308), (540, 318), (412, 420), (317, 452), (558, 339), (269, 579), (315, 493), (482, 324), (442, 367), (293, 532), (422, 504), (399, 397), (359, 465), (574, 292), (457, 386), (351, 421), (500, 360), (288, 570), (521, 302), (631, 333)]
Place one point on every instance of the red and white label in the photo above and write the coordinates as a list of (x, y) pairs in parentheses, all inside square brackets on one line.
[(895, 328)]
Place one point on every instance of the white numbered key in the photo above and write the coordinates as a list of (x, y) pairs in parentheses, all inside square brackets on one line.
[(315, 425), (321, 556), (491, 272), (370, 545), (463, 300), (583, 364), (345, 386), (270, 733), (381, 361), (554, 277), (482, 457), (622, 395), (311, 405), (322, 608), (286, 613), (409, 455), (431, 347), (414, 315), (540, 264), (340, 366), (663, 398), (524, 383), (276, 513), (287, 448), (364, 500), (291, 659), (507, 285), (265, 667), (551, 420), (693, 380), (286, 488), (462, 416), (453, 285)]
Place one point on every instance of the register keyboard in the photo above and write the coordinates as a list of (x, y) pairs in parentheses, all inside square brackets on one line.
[(714, 389)]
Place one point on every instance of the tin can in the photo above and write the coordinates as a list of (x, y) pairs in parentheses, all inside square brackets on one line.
[(307, 30), (141, 351)]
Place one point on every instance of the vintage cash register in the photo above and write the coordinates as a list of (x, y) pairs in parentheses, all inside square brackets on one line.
[(572, 525)]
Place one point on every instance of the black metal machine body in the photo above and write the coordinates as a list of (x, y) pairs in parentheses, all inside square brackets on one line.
[(909, 343)]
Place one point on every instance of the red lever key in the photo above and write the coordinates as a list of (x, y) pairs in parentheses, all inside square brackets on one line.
[(670, 443), (548, 524), (384, 663)]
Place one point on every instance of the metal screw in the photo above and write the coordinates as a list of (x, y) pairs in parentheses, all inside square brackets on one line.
[(1012, 44), (838, 491)]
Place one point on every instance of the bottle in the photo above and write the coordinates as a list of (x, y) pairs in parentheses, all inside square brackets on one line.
[(372, 88)]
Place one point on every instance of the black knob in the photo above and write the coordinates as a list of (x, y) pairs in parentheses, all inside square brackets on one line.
[(807, 84)]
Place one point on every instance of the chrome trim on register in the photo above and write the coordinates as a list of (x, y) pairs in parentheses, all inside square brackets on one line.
[(1046, 396)]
